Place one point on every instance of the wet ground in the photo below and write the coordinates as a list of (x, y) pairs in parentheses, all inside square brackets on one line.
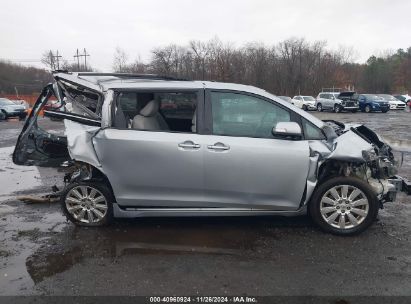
[(41, 253)]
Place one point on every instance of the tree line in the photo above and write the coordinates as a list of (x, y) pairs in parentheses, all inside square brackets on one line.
[(293, 66)]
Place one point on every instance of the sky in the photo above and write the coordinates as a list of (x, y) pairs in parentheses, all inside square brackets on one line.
[(28, 28)]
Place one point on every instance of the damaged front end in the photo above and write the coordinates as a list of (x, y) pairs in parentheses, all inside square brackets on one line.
[(357, 151)]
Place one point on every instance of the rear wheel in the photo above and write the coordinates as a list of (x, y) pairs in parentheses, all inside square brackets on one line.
[(319, 107), (88, 203), (344, 206), (337, 108)]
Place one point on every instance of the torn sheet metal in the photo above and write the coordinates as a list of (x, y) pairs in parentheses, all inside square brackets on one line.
[(79, 142), (349, 147)]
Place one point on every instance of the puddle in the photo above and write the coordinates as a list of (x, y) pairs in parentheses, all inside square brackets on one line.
[(24, 179), (23, 232), (16, 178), (234, 237), (399, 145)]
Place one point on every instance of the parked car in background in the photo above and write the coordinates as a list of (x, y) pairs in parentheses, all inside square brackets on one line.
[(10, 109), (394, 103), (332, 101), (304, 102), (252, 154), (405, 98), (373, 103), (21, 102), (286, 98)]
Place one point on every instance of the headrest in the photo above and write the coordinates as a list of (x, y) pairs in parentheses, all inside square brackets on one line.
[(151, 108)]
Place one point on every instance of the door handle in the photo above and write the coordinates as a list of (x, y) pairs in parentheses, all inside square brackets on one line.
[(189, 145), (218, 147)]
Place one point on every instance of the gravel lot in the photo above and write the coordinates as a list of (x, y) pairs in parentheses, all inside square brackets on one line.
[(42, 254)]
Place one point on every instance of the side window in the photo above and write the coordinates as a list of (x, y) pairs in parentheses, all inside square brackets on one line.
[(236, 114), (311, 132), (156, 111)]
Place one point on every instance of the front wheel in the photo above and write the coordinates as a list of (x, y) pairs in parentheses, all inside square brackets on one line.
[(88, 203), (384, 111), (353, 111), (344, 206), (319, 107), (305, 108), (367, 109)]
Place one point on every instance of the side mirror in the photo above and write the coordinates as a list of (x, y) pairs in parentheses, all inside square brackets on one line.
[(287, 130)]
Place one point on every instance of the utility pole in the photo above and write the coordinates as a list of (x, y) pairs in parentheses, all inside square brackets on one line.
[(85, 55), (85, 58), (78, 59), (57, 56), (51, 57)]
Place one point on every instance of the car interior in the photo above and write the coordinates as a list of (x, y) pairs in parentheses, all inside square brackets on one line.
[(174, 112)]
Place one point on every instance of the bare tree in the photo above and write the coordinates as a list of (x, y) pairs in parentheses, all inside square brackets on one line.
[(48, 60), (120, 60)]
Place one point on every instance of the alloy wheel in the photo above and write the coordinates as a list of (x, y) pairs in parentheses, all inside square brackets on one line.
[(344, 206), (337, 109), (319, 107), (86, 204)]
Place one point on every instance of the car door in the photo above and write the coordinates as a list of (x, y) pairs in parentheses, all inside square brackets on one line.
[(162, 167), (320, 99), (244, 166), (324, 101), (362, 102)]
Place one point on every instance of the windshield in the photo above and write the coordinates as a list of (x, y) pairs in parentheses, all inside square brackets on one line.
[(5, 102), (309, 98)]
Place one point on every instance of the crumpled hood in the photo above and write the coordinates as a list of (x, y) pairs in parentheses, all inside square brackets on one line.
[(353, 141)]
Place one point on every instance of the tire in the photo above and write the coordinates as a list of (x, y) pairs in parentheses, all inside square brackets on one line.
[(353, 111), (319, 107), (304, 107), (384, 111), (3, 115), (340, 213), (88, 208), (367, 109), (337, 108)]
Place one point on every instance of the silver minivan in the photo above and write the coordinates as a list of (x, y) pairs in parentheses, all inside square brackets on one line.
[(144, 145)]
